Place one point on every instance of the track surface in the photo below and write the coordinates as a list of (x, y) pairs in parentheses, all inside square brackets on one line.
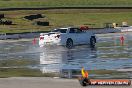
[(42, 82)]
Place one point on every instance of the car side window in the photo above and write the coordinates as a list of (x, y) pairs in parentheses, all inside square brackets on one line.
[(59, 30), (75, 30), (72, 30), (78, 31)]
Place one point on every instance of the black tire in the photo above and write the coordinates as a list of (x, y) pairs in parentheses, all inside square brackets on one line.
[(85, 82), (92, 42), (129, 83), (69, 43)]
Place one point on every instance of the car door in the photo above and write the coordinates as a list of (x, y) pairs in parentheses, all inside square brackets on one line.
[(77, 35), (81, 36), (73, 35)]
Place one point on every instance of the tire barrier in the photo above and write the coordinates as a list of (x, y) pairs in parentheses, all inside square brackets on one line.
[(41, 23), (5, 22), (32, 17), (2, 16)]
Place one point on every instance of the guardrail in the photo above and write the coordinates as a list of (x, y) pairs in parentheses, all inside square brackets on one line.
[(18, 36)]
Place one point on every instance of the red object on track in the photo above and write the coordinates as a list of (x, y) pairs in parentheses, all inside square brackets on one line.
[(122, 40), (34, 41)]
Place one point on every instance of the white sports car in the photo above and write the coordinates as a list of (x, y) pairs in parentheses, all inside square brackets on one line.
[(68, 37)]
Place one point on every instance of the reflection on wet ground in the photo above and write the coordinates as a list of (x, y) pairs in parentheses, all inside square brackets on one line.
[(104, 60)]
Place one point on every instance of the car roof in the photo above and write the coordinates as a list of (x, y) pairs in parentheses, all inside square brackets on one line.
[(67, 27)]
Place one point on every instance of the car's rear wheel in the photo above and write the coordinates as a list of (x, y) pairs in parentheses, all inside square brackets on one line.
[(69, 43)]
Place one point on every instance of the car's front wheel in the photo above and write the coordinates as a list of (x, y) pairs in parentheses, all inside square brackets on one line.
[(69, 43), (92, 42)]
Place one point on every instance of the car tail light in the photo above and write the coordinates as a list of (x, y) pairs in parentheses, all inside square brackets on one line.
[(41, 38), (57, 36)]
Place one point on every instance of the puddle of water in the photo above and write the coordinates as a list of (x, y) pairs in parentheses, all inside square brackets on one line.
[(108, 55)]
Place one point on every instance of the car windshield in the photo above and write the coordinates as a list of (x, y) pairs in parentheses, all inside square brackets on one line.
[(59, 30)]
